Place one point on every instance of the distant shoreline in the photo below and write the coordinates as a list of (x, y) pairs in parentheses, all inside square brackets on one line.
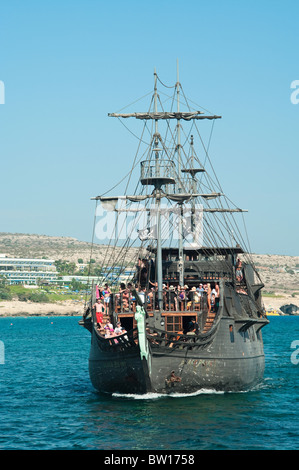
[(16, 308)]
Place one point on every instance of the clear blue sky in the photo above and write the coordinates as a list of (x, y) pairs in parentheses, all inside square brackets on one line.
[(66, 64)]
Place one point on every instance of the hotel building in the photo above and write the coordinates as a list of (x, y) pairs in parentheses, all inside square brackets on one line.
[(27, 271)]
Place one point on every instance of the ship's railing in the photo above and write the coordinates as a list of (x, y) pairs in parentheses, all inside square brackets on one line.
[(169, 339), (122, 303), (172, 302), (178, 340), (190, 340), (171, 274), (150, 169)]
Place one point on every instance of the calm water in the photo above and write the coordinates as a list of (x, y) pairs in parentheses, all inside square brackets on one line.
[(47, 401)]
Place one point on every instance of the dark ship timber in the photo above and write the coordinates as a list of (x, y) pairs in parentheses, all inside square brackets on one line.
[(192, 314)]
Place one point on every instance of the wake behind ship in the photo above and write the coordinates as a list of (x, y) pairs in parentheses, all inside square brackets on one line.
[(190, 317)]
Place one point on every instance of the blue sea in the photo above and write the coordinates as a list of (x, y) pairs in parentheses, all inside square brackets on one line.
[(48, 403)]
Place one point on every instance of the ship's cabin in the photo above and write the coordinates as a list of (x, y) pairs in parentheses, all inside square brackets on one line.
[(196, 301)]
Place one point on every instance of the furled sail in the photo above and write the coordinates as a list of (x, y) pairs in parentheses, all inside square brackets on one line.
[(187, 116)]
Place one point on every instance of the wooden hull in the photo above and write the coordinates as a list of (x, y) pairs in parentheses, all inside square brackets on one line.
[(230, 362)]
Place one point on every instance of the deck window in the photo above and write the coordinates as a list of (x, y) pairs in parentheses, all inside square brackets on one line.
[(231, 333), (174, 323)]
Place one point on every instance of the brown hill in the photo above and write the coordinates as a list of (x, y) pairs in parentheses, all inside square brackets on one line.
[(22, 245)]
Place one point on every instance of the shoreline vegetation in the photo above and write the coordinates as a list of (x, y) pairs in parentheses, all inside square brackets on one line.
[(41, 301), (28, 301), (279, 273), (75, 307)]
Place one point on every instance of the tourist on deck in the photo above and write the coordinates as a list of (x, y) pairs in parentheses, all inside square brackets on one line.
[(142, 295), (119, 330), (213, 292), (181, 297), (191, 298), (151, 297), (106, 294), (209, 291), (154, 294), (123, 296), (200, 289), (194, 328), (213, 302), (99, 308), (172, 298), (108, 326), (195, 294), (217, 296), (191, 328), (239, 274), (154, 285), (107, 333)]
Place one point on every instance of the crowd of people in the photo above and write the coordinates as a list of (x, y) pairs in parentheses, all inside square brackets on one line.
[(101, 307), (181, 297), (177, 298), (184, 297)]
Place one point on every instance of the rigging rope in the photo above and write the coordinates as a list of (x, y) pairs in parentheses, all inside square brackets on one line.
[(174, 86), (217, 229)]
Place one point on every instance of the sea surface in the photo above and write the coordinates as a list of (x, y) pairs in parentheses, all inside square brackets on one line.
[(48, 403)]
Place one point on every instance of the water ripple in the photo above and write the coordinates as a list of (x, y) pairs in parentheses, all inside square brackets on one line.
[(47, 401)]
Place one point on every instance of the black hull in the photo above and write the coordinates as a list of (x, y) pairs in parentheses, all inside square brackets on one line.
[(117, 372), (226, 364)]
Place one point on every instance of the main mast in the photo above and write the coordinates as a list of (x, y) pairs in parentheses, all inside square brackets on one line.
[(180, 222), (158, 202)]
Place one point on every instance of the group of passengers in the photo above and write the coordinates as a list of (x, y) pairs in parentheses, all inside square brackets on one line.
[(106, 329), (182, 297), (109, 332), (124, 295), (185, 297)]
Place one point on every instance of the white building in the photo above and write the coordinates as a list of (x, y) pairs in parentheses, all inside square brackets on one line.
[(27, 271)]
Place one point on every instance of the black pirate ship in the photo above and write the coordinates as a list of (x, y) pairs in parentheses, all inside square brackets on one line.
[(190, 316)]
